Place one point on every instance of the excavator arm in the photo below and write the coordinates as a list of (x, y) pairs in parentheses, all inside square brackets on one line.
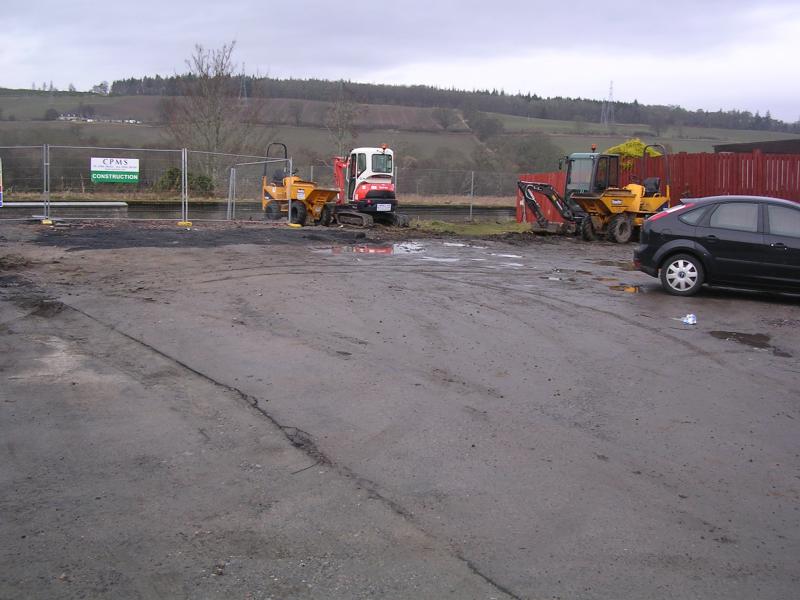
[(529, 190)]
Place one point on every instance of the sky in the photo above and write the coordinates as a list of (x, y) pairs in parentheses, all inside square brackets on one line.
[(699, 54)]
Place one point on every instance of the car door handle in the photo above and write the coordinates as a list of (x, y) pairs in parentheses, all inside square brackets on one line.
[(711, 238), (779, 246)]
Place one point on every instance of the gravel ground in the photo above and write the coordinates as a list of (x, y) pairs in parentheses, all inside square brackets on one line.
[(257, 412)]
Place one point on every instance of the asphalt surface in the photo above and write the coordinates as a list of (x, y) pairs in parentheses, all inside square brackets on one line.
[(376, 417)]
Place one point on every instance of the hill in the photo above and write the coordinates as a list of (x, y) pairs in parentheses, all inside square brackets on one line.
[(496, 101), (413, 131)]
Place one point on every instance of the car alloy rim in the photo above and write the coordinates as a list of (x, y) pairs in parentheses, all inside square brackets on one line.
[(681, 275)]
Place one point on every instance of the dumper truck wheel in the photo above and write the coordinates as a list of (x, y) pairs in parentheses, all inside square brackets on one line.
[(299, 213), (587, 230), (272, 211), (620, 228), (326, 216)]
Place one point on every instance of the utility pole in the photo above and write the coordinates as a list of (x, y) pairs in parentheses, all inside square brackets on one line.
[(243, 86), (607, 113)]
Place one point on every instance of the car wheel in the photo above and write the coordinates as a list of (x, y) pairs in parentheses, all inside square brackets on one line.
[(587, 229), (620, 228), (682, 275)]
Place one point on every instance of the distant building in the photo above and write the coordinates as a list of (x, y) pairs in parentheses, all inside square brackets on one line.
[(790, 146)]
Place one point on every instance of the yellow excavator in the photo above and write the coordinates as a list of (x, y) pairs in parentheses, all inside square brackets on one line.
[(594, 201)]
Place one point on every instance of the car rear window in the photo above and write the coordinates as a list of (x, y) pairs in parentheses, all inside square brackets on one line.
[(784, 221), (691, 217), (741, 216)]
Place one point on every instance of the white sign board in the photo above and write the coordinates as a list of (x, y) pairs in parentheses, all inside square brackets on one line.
[(115, 170)]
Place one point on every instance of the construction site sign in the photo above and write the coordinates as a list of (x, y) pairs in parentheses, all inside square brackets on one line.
[(115, 170)]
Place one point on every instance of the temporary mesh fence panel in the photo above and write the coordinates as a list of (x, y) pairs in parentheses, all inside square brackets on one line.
[(224, 186), (148, 181), (23, 180), (322, 174), (148, 184), (422, 183), (245, 187)]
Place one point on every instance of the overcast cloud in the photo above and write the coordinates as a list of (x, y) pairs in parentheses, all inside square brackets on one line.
[(698, 54)]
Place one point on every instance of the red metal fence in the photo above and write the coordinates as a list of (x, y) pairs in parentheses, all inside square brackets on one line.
[(698, 175)]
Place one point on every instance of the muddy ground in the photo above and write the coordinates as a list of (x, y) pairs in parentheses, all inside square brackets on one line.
[(258, 412)]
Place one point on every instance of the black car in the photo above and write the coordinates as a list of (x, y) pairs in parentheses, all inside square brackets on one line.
[(738, 241)]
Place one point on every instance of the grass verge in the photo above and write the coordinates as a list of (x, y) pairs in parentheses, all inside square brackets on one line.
[(474, 229)]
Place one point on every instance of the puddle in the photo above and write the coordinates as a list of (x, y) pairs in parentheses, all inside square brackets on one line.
[(511, 264), (357, 249), (630, 289), (621, 264), (553, 278), (605, 279), (374, 249), (454, 244), (759, 341), (505, 255)]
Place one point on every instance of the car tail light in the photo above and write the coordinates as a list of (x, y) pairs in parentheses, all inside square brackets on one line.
[(671, 209)]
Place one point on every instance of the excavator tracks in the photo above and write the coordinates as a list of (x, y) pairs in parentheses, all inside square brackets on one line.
[(352, 217)]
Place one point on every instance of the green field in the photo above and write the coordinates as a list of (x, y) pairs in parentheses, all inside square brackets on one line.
[(574, 136), (23, 133), (305, 143), (416, 138), (29, 108)]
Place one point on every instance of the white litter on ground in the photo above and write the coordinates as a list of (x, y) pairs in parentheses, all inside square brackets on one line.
[(408, 248), (439, 259)]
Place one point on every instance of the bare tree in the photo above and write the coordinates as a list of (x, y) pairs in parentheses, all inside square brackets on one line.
[(340, 121), (296, 112), (208, 114)]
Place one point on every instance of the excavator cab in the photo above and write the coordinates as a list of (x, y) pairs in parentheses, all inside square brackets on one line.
[(365, 180), (368, 175), (591, 173)]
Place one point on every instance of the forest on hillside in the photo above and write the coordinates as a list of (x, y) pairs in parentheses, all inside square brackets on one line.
[(496, 101)]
